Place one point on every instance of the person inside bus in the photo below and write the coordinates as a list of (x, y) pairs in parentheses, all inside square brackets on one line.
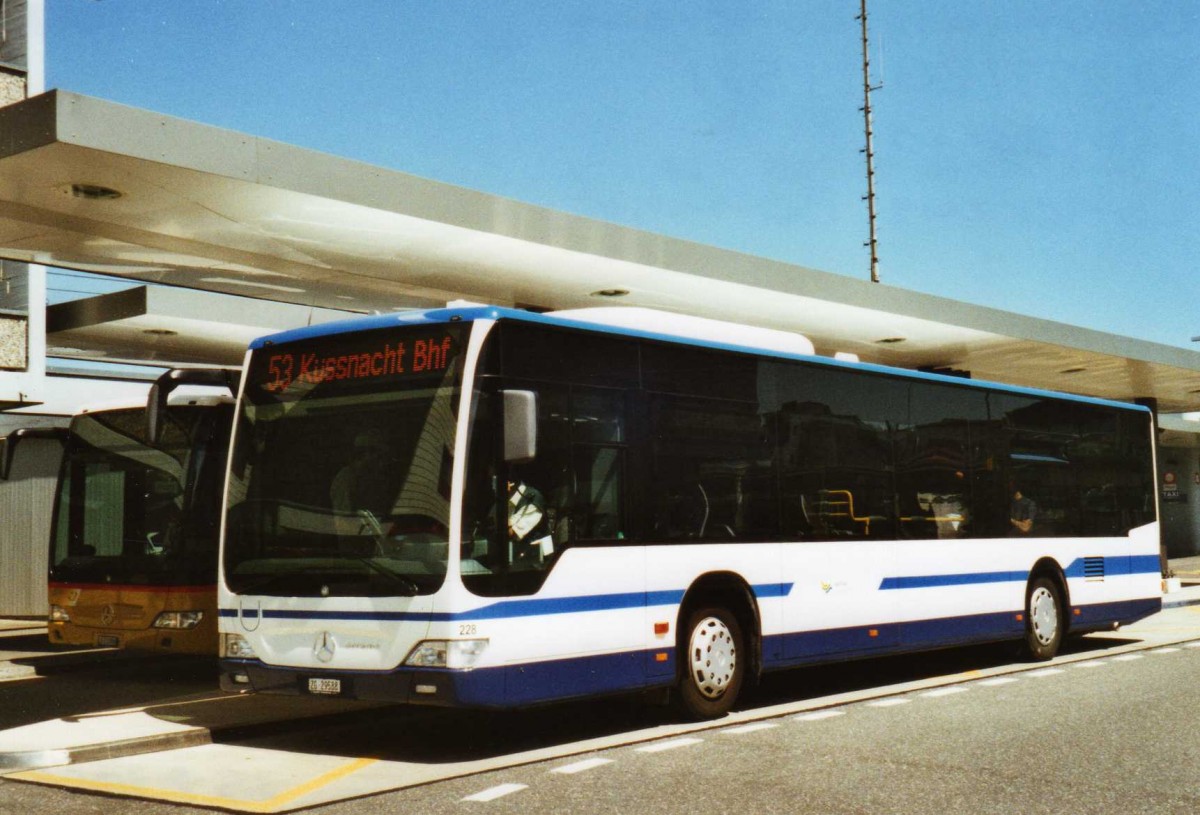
[(1021, 514), (528, 524), (363, 484)]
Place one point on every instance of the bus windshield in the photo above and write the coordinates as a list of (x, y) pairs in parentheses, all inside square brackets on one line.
[(124, 513), (340, 477)]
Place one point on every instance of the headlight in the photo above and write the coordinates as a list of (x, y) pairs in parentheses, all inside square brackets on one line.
[(58, 614), (235, 646), (459, 654), (178, 619)]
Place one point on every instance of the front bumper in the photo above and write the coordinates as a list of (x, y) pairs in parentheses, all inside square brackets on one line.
[(417, 686)]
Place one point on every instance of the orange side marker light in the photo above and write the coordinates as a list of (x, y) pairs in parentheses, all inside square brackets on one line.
[(661, 628)]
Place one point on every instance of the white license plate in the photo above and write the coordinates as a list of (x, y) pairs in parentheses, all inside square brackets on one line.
[(327, 686), (108, 641)]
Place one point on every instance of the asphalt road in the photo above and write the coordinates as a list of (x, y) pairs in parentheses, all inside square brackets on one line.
[(1111, 734), (1115, 735)]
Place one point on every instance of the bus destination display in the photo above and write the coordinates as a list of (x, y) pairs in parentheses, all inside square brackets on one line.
[(389, 357)]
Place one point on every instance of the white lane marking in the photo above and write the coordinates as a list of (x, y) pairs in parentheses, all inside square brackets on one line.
[(1045, 672), (889, 702), (1127, 657), (998, 680), (582, 766), (1164, 650), (496, 792), (1192, 645), (751, 728), (658, 747), (933, 694), (819, 715), (1091, 663)]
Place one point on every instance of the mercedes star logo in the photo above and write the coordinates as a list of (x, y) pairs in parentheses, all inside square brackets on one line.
[(108, 615), (324, 647)]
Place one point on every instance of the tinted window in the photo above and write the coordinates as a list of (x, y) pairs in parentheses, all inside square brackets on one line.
[(713, 470), (835, 433), (935, 468), (536, 352)]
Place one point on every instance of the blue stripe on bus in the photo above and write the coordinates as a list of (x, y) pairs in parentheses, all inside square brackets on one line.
[(508, 609), (935, 580), (1120, 565)]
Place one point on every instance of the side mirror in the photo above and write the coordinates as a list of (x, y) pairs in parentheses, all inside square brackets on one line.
[(162, 388), (520, 426), (14, 439)]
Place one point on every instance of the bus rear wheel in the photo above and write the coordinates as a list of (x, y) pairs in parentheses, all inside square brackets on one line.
[(711, 663), (1043, 619)]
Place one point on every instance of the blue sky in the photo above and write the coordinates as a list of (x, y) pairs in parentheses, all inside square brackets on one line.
[(1037, 157)]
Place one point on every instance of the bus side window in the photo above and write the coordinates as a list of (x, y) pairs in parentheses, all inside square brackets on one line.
[(714, 477), (599, 474), (598, 437)]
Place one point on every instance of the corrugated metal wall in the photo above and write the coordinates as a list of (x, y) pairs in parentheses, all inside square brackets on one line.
[(26, 501)]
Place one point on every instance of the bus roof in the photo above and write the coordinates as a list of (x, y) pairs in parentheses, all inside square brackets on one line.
[(704, 333)]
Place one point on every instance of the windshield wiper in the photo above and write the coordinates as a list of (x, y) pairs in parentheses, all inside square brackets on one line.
[(410, 586)]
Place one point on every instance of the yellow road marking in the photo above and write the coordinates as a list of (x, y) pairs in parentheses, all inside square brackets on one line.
[(272, 804), (322, 780)]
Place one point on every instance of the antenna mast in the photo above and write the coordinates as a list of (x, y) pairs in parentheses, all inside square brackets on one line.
[(873, 243)]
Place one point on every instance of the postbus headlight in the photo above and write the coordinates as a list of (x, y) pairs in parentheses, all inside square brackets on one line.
[(235, 646), (179, 619), (458, 654), (58, 614)]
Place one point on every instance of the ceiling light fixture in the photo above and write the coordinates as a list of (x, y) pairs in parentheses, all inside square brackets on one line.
[(94, 192)]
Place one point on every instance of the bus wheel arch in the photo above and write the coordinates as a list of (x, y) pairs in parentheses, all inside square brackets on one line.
[(718, 643), (1046, 610)]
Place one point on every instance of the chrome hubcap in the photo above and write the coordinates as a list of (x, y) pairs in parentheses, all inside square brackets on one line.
[(1043, 615), (712, 657)]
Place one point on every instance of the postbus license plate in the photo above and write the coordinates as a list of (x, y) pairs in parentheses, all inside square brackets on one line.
[(108, 641), (330, 687)]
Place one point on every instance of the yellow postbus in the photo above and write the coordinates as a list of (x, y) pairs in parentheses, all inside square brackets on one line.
[(133, 542)]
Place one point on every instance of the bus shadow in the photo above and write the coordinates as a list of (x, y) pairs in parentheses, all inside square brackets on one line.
[(430, 736)]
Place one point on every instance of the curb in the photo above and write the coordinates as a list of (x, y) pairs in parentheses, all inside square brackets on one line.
[(22, 760), (38, 759)]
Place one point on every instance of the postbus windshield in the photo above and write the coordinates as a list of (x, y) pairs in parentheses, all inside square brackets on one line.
[(129, 512), (343, 453)]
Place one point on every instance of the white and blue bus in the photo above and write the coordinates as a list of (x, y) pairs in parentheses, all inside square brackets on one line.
[(487, 507)]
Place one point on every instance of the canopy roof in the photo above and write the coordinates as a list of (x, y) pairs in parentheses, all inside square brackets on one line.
[(88, 184)]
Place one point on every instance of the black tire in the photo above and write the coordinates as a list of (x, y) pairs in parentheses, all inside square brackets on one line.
[(1045, 622), (712, 663)]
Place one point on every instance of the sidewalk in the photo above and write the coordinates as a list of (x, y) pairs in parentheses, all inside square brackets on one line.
[(1187, 568)]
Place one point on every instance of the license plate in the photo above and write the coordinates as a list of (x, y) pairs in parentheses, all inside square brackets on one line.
[(326, 686), (108, 641)]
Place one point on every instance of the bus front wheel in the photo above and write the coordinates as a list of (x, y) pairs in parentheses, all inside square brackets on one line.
[(711, 663), (1043, 619)]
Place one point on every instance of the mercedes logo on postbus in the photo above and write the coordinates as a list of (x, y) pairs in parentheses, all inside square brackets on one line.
[(324, 647), (108, 615)]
